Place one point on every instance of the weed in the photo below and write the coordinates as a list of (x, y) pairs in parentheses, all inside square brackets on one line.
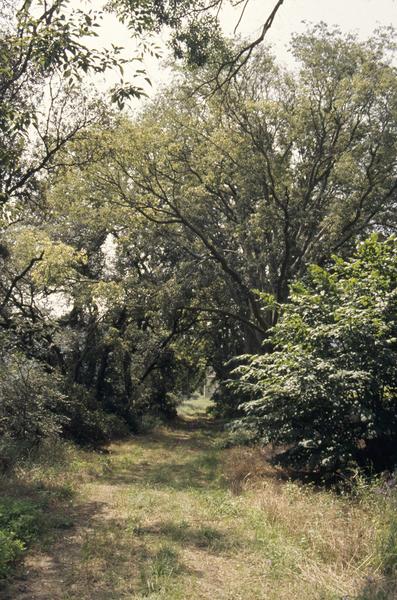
[(21, 522), (161, 569)]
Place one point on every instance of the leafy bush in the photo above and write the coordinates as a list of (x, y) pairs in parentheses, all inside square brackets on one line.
[(88, 424), (31, 405), (10, 550), (328, 391), (20, 524), (237, 437), (148, 422), (95, 426), (35, 404)]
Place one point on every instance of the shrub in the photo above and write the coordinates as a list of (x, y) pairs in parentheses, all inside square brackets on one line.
[(328, 391), (88, 424), (31, 405), (20, 524)]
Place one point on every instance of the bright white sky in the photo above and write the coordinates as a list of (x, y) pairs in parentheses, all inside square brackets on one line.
[(360, 16)]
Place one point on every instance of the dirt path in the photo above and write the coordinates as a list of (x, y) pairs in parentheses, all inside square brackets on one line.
[(156, 525), (164, 521)]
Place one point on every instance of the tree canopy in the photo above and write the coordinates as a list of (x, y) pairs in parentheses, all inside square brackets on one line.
[(279, 171), (139, 254)]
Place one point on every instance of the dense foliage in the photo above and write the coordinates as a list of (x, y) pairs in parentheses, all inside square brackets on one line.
[(327, 393), (243, 190), (67, 375), (132, 250), (20, 524)]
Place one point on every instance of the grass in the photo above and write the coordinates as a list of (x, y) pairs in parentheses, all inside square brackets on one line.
[(172, 515), (35, 498), (196, 406), (20, 523)]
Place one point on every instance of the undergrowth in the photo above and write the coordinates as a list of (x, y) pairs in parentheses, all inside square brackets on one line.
[(36, 490), (176, 514)]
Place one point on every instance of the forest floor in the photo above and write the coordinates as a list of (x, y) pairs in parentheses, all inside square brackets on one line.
[(174, 515)]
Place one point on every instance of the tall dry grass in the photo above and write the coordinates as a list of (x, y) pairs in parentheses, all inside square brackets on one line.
[(338, 541)]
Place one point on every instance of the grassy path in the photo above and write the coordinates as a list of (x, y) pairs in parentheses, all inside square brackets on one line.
[(169, 517)]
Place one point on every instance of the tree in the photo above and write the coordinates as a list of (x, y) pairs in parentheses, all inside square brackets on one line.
[(43, 107), (278, 171), (43, 57), (107, 352), (196, 34), (125, 317), (212, 198), (327, 394)]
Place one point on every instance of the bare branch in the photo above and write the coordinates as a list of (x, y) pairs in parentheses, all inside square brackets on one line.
[(18, 278)]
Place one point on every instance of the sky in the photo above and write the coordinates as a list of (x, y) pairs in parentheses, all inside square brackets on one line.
[(360, 16)]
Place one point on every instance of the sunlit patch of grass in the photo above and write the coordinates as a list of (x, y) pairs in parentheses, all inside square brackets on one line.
[(194, 406), (286, 537), (185, 534), (324, 544)]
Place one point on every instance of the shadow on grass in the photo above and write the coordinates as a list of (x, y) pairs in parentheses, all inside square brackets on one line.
[(183, 457), (197, 434), (109, 560), (80, 546), (203, 537), (383, 588), (198, 473), (83, 553), (203, 422), (54, 525)]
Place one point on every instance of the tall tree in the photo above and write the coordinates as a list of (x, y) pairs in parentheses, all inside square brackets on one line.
[(280, 170), (327, 394)]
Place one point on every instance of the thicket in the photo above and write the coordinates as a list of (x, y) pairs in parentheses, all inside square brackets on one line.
[(132, 250), (327, 392), (21, 522)]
